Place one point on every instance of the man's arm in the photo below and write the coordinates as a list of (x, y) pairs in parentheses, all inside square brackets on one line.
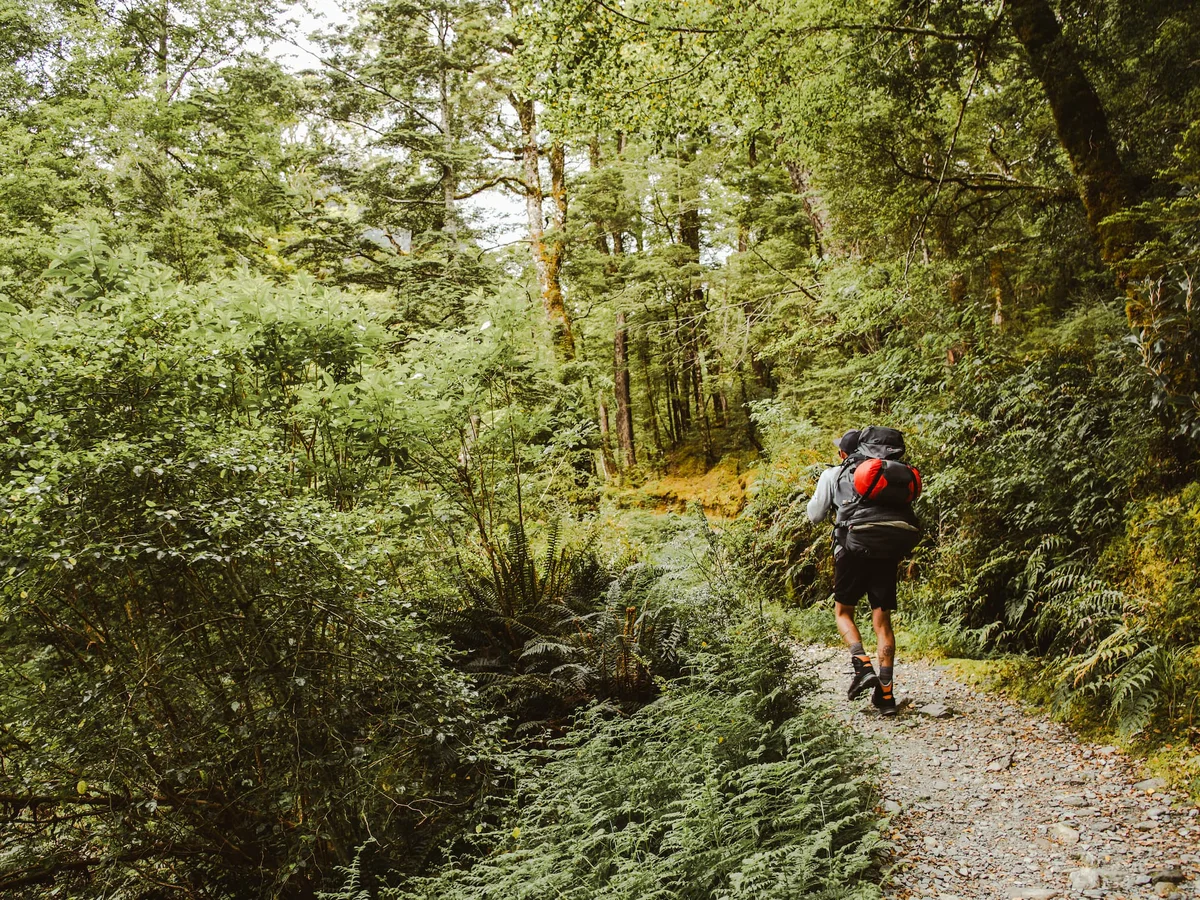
[(821, 503)]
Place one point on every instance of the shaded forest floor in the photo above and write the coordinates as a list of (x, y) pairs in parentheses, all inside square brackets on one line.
[(722, 488), (987, 801)]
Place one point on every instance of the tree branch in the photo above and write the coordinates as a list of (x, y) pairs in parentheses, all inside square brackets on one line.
[(878, 28)]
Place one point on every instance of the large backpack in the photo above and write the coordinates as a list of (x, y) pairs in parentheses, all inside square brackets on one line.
[(879, 521)]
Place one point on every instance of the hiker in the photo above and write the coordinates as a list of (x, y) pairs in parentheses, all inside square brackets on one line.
[(870, 495)]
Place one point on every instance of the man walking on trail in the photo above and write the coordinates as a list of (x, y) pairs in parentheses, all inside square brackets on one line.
[(866, 570)]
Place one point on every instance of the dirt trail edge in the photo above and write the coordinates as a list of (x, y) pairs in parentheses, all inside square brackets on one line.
[(987, 802)]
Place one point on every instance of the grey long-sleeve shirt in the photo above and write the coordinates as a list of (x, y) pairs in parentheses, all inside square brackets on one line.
[(830, 495)]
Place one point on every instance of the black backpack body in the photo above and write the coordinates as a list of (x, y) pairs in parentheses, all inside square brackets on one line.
[(879, 521)]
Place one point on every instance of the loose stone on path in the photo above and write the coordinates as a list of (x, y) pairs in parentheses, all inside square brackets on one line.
[(987, 803)]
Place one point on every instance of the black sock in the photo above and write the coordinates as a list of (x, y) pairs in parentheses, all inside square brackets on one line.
[(885, 674)]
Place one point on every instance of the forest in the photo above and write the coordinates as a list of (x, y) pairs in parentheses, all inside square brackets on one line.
[(408, 410)]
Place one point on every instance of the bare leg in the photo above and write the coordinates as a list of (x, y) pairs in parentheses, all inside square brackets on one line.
[(844, 617), (885, 640)]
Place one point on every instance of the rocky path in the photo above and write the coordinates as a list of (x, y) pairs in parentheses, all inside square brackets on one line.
[(987, 802)]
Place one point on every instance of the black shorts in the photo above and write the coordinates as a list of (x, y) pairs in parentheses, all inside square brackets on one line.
[(855, 575)]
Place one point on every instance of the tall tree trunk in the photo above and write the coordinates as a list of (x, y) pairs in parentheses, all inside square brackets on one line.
[(621, 380), (621, 392), (604, 458), (1105, 186), (548, 279), (751, 430), (800, 178), (555, 249), (446, 123), (643, 349), (678, 384), (689, 333), (607, 464), (676, 426), (531, 178), (698, 387)]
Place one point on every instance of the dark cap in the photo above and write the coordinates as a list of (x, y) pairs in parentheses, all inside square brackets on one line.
[(848, 442)]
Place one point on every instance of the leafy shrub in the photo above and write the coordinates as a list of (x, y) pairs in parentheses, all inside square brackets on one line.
[(206, 683), (633, 640), (245, 704), (789, 556), (781, 554)]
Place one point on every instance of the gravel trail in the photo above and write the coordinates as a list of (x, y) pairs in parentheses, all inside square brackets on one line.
[(988, 802)]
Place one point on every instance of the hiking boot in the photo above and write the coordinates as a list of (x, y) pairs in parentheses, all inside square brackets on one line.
[(864, 677), (883, 699)]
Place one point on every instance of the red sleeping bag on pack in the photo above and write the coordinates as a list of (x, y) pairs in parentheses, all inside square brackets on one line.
[(887, 481)]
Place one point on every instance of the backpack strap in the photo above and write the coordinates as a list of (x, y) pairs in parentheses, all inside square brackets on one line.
[(849, 464), (852, 459)]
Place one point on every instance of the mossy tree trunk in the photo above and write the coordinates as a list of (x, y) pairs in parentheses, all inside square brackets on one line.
[(1105, 185)]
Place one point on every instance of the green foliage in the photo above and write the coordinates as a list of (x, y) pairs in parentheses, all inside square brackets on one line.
[(636, 638), (181, 592), (230, 677), (780, 546), (1162, 306), (1168, 343), (1047, 444), (535, 630), (201, 550), (547, 635), (723, 787), (1103, 656), (226, 481)]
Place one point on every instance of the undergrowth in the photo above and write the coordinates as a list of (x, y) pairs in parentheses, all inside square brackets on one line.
[(728, 786)]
